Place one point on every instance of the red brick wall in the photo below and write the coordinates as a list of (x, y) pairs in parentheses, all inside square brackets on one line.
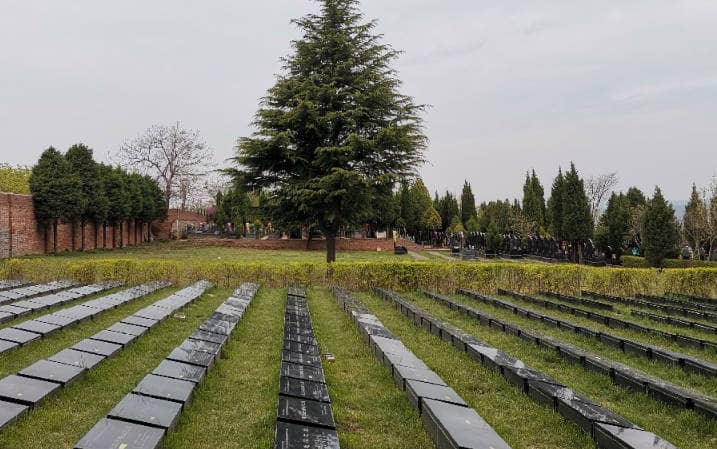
[(163, 229), (300, 245), (20, 235)]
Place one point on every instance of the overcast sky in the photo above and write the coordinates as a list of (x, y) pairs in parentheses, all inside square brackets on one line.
[(626, 86)]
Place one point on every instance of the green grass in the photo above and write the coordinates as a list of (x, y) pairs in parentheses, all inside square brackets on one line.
[(684, 428)]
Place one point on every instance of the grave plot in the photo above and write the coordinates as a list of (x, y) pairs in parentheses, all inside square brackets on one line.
[(682, 340), (24, 307), (7, 284), (37, 381), (448, 419), (677, 322), (619, 373), (304, 417), (575, 300), (607, 428), (27, 331), (684, 361), (142, 418), (708, 314), (702, 306), (692, 299), (31, 291)]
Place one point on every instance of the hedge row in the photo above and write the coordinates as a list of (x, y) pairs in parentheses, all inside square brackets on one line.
[(640, 262), (403, 276)]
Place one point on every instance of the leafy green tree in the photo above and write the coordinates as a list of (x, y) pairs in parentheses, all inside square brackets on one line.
[(468, 203), (659, 230), (577, 219), (119, 200), (617, 221), (456, 226), (431, 220), (422, 208), (82, 165), (55, 191), (14, 179), (500, 212), (534, 200), (493, 238), (696, 221), (555, 206), (334, 131), (447, 207), (635, 197)]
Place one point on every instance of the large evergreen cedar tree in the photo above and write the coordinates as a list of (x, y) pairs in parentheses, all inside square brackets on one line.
[(696, 221), (55, 191), (555, 206), (83, 166), (468, 204), (659, 230), (534, 200), (577, 220), (334, 132)]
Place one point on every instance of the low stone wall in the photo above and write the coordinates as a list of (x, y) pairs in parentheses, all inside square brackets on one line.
[(300, 245)]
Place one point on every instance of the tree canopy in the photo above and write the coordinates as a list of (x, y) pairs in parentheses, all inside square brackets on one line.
[(659, 230)]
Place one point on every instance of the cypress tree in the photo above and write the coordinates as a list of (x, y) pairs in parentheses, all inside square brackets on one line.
[(119, 200), (468, 203), (83, 166), (695, 221), (555, 206), (577, 220), (615, 221), (334, 132), (659, 230)]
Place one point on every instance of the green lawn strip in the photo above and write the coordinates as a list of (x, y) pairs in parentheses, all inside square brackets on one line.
[(667, 372), (65, 417), (235, 405), (370, 410), (52, 309), (523, 423), (19, 358), (684, 428), (644, 337), (622, 311)]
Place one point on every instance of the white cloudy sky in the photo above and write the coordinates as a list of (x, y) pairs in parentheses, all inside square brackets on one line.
[(627, 86)]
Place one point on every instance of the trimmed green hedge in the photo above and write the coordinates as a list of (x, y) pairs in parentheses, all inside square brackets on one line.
[(403, 276), (640, 262)]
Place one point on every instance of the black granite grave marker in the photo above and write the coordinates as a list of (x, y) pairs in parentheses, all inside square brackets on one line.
[(178, 370), (37, 327), (616, 437), (209, 336), (139, 321), (193, 357), (201, 345), (304, 372), (52, 372), (18, 336), (305, 411), (295, 436), (217, 326), (129, 329), (147, 411), (455, 427), (300, 358), (403, 373), (77, 358), (26, 390), (10, 411), (97, 347), (584, 414), (114, 337), (115, 434), (165, 388), (7, 345), (300, 388), (58, 320), (300, 347), (416, 391)]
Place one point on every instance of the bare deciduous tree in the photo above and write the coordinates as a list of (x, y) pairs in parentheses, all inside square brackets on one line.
[(177, 158), (597, 190)]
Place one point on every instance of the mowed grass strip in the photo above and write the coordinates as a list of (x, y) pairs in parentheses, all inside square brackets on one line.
[(370, 410), (235, 405), (684, 428), (523, 424), (64, 418), (670, 373), (644, 337)]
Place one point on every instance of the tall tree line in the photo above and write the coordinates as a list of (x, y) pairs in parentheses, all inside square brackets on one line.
[(74, 188)]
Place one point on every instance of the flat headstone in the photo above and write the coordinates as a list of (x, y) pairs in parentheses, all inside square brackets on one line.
[(300, 347), (77, 358), (97, 347), (17, 311), (586, 414), (456, 427), (407, 359), (201, 345), (52, 372), (417, 391), (7, 345), (165, 388), (305, 411), (113, 337), (37, 327), (304, 372), (300, 358), (5, 316), (403, 373), (305, 339), (26, 390), (193, 357), (114, 434), (147, 411), (18, 336), (62, 321), (9, 412), (139, 321), (300, 388), (154, 313), (178, 370), (209, 336), (129, 329), (615, 437), (217, 326), (295, 436)]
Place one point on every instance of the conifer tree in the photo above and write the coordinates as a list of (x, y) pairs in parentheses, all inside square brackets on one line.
[(334, 132), (119, 200), (659, 230), (468, 203), (555, 206), (92, 199), (577, 219), (695, 221), (534, 200)]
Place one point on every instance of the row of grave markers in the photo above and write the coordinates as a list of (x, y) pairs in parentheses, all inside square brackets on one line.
[(304, 418), (143, 417), (15, 294), (690, 303), (665, 308), (608, 429), (684, 361), (28, 331), (619, 373), (32, 385)]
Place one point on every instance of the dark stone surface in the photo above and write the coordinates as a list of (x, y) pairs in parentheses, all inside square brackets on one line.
[(193, 357), (52, 372), (215, 326), (611, 340), (295, 436), (165, 388), (37, 327), (305, 411), (519, 377), (115, 434), (7, 345), (154, 313), (317, 391), (615, 437), (200, 345), (114, 337), (584, 414), (139, 321), (403, 373), (407, 359), (18, 336), (26, 390), (129, 329), (630, 380), (632, 347), (456, 427), (97, 347), (700, 367), (300, 358), (599, 365), (147, 411), (211, 337), (181, 371), (9, 412), (417, 391), (77, 358), (706, 408), (304, 372), (667, 393), (300, 347), (305, 339), (62, 321)]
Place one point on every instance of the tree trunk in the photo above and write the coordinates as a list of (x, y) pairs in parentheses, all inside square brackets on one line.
[(580, 253), (82, 235), (121, 234), (72, 233), (104, 235), (331, 248), (96, 234), (47, 237), (114, 236), (54, 237)]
